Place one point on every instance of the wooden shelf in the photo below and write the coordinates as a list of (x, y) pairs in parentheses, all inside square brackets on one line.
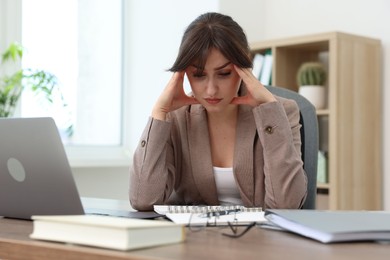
[(350, 126), (323, 185), (323, 112)]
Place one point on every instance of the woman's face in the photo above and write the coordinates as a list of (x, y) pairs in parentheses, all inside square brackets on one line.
[(217, 85)]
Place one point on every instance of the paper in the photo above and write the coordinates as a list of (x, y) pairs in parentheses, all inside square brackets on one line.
[(240, 218), (195, 215)]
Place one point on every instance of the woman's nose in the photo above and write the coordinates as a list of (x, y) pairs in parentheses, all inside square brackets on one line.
[(212, 87)]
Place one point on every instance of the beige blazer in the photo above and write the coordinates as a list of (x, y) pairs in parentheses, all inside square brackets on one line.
[(172, 163)]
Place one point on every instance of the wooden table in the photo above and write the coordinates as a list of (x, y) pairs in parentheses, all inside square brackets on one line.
[(258, 243)]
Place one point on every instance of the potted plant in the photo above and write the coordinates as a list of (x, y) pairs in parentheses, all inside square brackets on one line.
[(311, 78)]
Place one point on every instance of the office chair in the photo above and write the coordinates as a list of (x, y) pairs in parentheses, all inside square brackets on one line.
[(309, 138)]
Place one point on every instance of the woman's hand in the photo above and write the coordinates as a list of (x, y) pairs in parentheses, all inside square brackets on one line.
[(256, 93), (172, 98)]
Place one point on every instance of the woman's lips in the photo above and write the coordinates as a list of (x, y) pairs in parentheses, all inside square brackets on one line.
[(213, 101)]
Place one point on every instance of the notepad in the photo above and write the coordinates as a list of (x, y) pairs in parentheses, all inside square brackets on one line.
[(196, 215)]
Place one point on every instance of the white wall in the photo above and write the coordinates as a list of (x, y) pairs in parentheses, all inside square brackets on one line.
[(10, 16), (9, 22), (102, 182)]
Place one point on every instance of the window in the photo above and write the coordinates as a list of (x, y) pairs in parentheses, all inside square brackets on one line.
[(79, 41)]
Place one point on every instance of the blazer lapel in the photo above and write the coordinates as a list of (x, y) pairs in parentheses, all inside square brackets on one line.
[(200, 154), (243, 154)]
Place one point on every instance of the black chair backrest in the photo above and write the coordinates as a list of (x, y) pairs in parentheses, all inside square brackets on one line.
[(309, 138)]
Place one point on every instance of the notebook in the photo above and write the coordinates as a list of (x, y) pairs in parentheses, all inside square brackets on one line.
[(333, 226), (211, 215), (35, 175)]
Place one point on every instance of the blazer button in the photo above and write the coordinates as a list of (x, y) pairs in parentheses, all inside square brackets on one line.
[(143, 143), (269, 129)]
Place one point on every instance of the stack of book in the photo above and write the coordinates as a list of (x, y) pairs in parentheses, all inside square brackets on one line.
[(262, 67)]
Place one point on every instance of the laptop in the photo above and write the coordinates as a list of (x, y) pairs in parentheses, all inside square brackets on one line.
[(35, 175)]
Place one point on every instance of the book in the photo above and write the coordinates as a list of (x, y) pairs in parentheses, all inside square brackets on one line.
[(322, 176), (258, 60), (211, 215), (333, 226), (107, 232), (266, 72)]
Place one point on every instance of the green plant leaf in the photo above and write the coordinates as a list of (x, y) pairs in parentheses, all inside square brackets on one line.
[(13, 52)]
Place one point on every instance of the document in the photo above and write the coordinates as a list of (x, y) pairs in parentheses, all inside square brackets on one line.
[(333, 226)]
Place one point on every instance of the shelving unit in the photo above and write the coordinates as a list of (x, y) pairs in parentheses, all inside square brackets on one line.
[(351, 125)]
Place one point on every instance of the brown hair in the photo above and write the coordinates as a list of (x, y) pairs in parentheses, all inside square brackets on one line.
[(212, 30)]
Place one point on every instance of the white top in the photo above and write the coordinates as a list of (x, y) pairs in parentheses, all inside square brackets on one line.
[(228, 193)]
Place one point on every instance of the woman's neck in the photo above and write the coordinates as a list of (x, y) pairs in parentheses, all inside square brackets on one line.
[(222, 133)]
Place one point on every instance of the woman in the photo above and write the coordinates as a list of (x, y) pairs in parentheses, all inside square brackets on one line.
[(230, 142)]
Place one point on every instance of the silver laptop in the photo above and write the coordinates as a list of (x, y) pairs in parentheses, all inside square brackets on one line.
[(35, 175)]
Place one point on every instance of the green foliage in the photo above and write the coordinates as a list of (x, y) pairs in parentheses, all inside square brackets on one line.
[(14, 52), (41, 82), (311, 73), (11, 86)]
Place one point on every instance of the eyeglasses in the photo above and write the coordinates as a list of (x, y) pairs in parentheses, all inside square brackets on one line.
[(203, 216), (236, 232)]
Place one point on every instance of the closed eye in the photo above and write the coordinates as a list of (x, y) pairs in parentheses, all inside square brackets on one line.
[(198, 75), (225, 74)]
